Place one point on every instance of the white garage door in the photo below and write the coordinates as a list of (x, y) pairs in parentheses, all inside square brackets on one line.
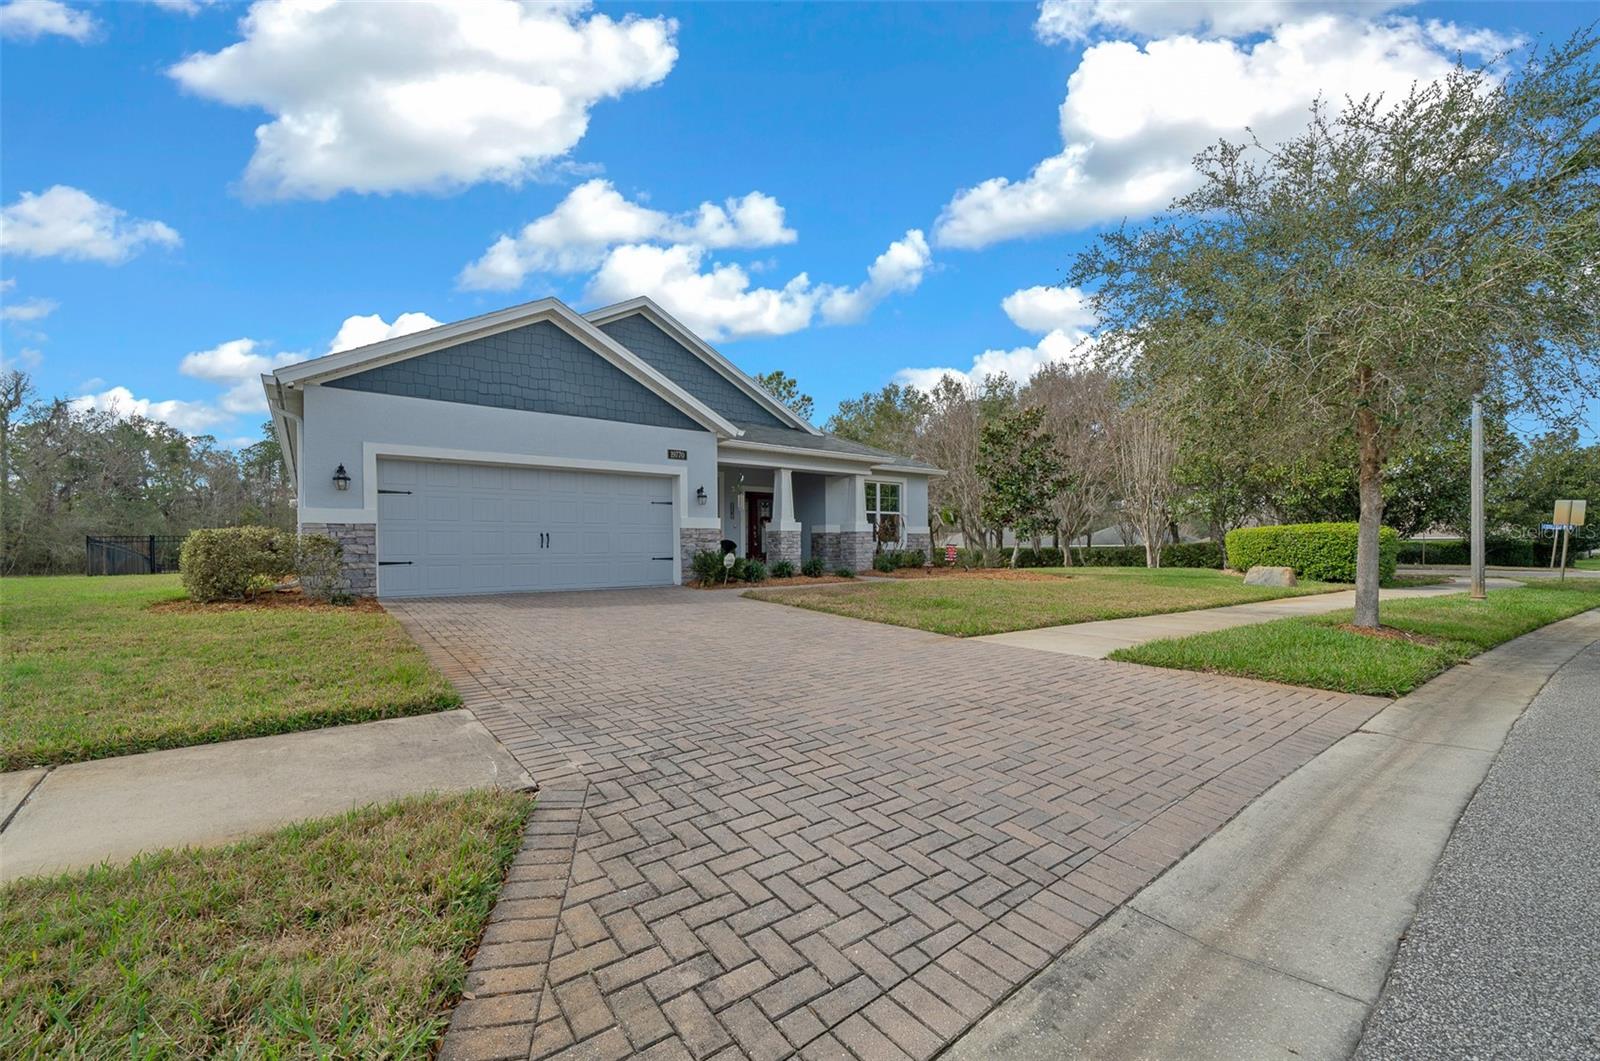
[(446, 528)]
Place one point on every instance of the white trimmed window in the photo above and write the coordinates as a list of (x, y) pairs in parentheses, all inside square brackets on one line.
[(883, 510)]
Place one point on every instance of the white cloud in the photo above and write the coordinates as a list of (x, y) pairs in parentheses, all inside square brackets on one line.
[(716, 304), (361, 331), (1020, 363), (896, 270), (1076, 20), (28, 20), (64, 222), (182, 7), (717, 301), (29, 309), (1134, 117), (594, 217), (192, 417), (27, 357), (1045, 309), (1058, 312), (422, 96), (238, 365)]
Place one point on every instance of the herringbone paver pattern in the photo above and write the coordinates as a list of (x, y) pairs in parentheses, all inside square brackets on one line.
[(764, 832)]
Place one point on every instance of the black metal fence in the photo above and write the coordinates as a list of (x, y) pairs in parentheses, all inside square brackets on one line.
[(132, 554)]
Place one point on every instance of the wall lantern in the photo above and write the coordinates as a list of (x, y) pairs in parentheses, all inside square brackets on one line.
[(341, 478), (700, 496)]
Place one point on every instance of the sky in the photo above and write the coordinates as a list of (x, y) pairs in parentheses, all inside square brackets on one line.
[(192, 192)]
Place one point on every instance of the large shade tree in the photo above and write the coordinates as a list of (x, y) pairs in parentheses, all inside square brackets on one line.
[(1367, 276)]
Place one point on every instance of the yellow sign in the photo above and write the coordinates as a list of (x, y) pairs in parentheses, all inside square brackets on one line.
[(1570, 513)]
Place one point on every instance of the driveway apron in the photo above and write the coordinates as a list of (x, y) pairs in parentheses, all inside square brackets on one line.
[(767, 832)]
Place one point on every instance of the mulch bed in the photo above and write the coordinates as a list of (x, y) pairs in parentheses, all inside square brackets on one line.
[(1391, 633), (270, 600), (1002, 574), (771, 583)]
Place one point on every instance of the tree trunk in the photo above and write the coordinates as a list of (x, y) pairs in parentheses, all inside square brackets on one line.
[(1152, 548), (1370, 481), (1063, 540), (1219, 534), (1016, 547)]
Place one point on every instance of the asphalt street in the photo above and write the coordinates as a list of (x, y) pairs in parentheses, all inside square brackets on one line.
[(1503, 958)]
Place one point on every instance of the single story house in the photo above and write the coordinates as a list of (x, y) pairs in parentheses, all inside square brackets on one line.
[(538, 448)]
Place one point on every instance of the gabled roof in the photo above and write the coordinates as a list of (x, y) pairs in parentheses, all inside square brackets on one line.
[(652, 312), (362, 358)]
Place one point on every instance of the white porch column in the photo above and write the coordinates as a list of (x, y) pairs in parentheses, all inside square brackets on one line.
[(783, 534), (783, 514), (858, 504)]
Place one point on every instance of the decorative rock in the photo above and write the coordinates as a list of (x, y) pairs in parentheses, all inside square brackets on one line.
[(1270, 576)]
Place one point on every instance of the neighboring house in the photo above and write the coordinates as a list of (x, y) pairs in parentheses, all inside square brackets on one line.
[(538, 448)]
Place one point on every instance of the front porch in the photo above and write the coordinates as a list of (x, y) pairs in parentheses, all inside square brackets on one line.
[(787, 512)]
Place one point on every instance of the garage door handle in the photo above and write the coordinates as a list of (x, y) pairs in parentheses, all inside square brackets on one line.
[(394, 563), (661, 502), (661, 558), (381, 490)]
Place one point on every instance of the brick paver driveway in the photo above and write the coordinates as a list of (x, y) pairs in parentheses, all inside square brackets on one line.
[(764, 831)]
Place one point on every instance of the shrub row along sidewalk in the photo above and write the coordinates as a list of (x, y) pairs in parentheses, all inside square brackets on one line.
[(341, 937), (1419, 639), (94, 667)]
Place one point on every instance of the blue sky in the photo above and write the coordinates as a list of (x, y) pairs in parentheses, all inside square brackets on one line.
[(884, 186)]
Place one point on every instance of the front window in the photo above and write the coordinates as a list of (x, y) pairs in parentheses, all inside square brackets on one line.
[(883, 512)]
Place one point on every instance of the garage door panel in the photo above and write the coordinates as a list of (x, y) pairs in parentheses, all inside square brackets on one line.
[(489, 529), (489, 542), (399, 544)]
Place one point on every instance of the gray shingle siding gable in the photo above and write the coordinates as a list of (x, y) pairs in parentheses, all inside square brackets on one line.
[(537, 368), (685, 368)]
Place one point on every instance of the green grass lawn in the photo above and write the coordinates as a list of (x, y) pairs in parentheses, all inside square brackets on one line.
[(341, 937), (970, 606), (1314, 651), (88, 669), (1589, 564)]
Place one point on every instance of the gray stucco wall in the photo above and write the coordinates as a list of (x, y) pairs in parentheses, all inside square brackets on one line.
[(809, 507), (338, 421), (685, 368), (538, 368)]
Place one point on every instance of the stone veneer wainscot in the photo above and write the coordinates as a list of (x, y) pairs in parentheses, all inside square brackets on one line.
[(359, 562)]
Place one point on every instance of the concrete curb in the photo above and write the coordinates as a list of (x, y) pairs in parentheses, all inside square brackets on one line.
[(1273, 937)]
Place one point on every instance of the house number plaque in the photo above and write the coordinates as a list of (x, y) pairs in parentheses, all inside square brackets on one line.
[(677, 454)]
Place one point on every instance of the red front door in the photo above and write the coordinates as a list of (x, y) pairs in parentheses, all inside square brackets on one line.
[(757, 513)]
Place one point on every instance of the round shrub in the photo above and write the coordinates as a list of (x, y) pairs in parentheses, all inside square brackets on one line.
[(844, 572), (883, 562), (318, 563), (813, 568), (753, 571), (1322, 552), (783, 569), (707, 566), (229, 563)]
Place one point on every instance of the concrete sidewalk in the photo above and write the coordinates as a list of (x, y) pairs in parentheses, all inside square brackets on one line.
[(1273, 938), (1099, 639), (77, 815)]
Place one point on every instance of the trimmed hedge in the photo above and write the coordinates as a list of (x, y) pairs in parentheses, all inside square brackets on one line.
[(1321, 552), (229, 563), (1499, 552), (1189, 554)]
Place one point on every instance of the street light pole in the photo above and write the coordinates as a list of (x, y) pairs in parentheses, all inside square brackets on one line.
[(1477, 497)]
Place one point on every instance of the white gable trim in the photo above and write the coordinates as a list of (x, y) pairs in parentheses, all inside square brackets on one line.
[(349, 362), (701, 349)]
